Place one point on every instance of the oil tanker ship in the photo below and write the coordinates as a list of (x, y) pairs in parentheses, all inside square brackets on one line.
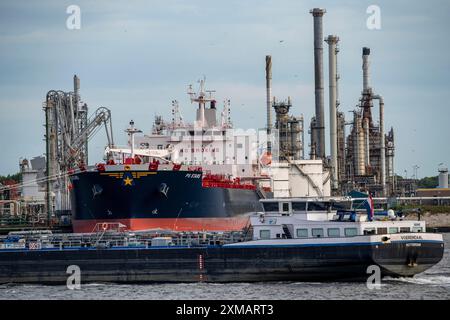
[(185, 177)]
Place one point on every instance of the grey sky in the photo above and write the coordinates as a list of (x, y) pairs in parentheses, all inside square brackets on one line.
[(135, 59)]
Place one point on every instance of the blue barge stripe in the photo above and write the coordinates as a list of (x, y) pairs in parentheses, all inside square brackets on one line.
[(334, 244), (213, 246)]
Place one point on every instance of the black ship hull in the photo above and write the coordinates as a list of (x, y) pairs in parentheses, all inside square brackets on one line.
[(143, 200), (229, 263)]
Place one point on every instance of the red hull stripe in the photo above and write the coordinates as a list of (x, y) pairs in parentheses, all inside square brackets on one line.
[(184, 224)]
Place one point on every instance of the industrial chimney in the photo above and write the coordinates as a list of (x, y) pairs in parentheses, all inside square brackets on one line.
[(318, 76), (269, 99), (76, 89), (365, 67)]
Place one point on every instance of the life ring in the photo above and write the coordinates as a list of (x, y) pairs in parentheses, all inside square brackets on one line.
[(104, 226)]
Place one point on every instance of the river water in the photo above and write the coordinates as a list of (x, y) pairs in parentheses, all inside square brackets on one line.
[(432, 284)]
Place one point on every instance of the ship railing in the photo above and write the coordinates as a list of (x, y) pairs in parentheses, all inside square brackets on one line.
[(109, 240)]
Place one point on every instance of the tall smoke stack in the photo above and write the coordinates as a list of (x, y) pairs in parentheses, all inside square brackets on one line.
[(76, 89), (269, 99), (366, 69), (318, 76), (332, 57)]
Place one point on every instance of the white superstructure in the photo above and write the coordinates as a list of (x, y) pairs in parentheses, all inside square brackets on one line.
[(327, 217), (208, 142)]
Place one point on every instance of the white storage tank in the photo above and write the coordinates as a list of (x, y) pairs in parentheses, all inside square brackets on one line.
[(443, 178)]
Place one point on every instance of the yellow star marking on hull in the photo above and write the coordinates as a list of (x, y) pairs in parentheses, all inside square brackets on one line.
[(127, 181)]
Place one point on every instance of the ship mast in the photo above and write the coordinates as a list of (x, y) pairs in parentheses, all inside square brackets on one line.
[(131, 132), (201, 98)]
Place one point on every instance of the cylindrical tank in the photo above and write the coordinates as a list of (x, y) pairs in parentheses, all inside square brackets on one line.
[(443, 178)]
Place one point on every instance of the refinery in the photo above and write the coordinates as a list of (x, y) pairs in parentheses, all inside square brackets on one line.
[(231, 205), (361, 155)]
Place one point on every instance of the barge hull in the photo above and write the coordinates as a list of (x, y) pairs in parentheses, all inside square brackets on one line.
[(235, 263)]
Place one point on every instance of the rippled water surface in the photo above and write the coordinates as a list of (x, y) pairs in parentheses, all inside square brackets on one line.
[(432, 284)]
